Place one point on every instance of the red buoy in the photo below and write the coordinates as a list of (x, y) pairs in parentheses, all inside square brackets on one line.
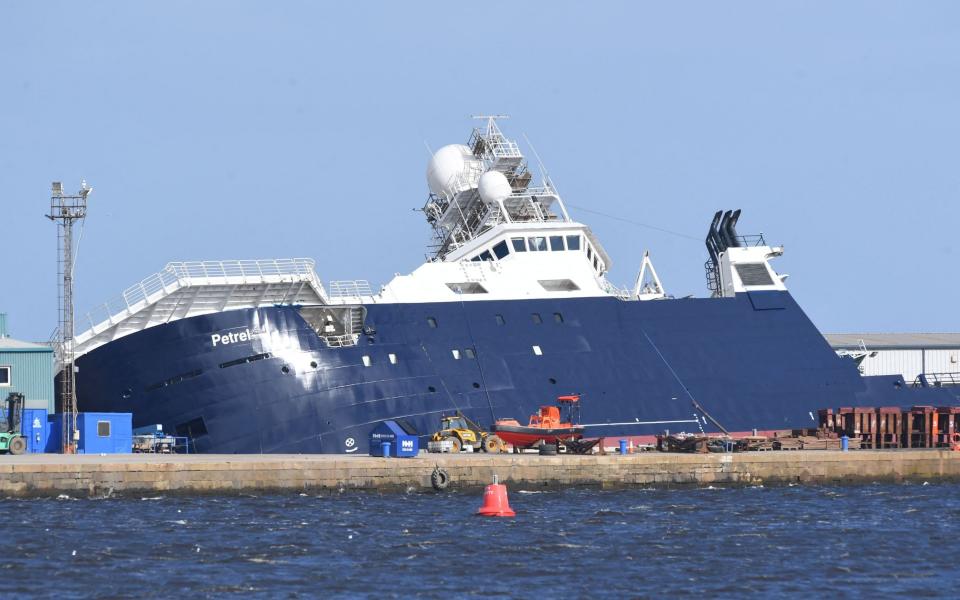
[(495, 501)]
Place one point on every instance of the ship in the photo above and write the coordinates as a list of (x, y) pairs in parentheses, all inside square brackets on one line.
[(511, 308)]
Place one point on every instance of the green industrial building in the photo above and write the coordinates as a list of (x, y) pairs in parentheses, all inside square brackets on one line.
[(27, 368)]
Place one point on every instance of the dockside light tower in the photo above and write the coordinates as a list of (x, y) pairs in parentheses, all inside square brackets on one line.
[(65, 210)]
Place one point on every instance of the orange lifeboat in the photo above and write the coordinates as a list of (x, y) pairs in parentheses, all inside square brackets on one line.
[(544, 426)]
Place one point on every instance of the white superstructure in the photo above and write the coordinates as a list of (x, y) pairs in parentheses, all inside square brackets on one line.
[(498, 235)]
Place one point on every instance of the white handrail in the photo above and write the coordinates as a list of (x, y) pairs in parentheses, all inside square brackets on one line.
[(181, 274)]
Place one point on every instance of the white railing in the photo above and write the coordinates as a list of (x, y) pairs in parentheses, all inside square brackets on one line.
[(350, 289), (179, 274), (341, 341), (242, 268)]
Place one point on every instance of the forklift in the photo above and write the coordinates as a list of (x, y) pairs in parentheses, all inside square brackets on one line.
[(11, 421), (460, 430)]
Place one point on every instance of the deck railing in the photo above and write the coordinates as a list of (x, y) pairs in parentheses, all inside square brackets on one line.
[(179, 274)]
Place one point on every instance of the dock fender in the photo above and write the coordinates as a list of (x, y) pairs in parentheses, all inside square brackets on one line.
[(439, 479)]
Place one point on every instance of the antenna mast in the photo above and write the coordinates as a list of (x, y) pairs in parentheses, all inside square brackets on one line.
[(65, 209)]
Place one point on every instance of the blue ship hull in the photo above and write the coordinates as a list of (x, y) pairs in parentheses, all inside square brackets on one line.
[(751, 361)]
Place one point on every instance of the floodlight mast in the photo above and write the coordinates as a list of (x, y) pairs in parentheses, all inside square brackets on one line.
[(65, 210)]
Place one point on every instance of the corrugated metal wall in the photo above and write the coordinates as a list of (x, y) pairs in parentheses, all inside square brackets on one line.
[(32, 375), (910, 363)]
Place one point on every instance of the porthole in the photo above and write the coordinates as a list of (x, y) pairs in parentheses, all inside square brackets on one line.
[(285, 369), (553, 381), (476, 385), (313, 364), (431, 389), (127, 393)]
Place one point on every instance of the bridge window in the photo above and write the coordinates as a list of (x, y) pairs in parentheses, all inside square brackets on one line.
[(501, 249), (536, 318), (595, 263), (537, 244), (556, 243), (499, 319), (485, 255), (432, 322), (589, 252), (519, 244), (573, 242)]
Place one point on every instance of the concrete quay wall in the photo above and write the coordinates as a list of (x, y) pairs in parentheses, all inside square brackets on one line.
[(81, 476)]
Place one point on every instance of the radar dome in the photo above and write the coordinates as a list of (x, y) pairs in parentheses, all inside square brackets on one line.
[(446, 164), (494, 187)]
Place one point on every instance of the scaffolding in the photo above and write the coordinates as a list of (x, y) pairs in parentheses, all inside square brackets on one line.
[(66, 209)]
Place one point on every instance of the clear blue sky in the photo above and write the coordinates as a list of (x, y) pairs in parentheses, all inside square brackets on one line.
[(221, 130)]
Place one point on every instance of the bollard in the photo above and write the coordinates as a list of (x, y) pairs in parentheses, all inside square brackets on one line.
[(385, 448), (844, 443), (623, 447)]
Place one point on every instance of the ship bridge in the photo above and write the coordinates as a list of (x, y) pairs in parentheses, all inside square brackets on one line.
[(187, 289)]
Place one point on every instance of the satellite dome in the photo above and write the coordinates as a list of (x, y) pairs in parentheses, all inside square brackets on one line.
[(494, 187), (446, 164)]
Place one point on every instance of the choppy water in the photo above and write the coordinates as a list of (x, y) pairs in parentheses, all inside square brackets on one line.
[(880, 539)]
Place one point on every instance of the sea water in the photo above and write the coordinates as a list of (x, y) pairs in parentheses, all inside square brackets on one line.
[(715, 541)]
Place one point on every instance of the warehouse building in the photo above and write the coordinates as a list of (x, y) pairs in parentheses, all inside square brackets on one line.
[(27, 368), (909, 354)]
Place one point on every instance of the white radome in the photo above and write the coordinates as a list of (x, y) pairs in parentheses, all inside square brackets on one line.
[(494, 187), (444, 167)]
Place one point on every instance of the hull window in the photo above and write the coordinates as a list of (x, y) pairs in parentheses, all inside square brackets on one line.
[(470, 353), (499, 319), (393, 358), (537, 351), (431, 322), (244, 360), (366, 360), (174, 380)]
